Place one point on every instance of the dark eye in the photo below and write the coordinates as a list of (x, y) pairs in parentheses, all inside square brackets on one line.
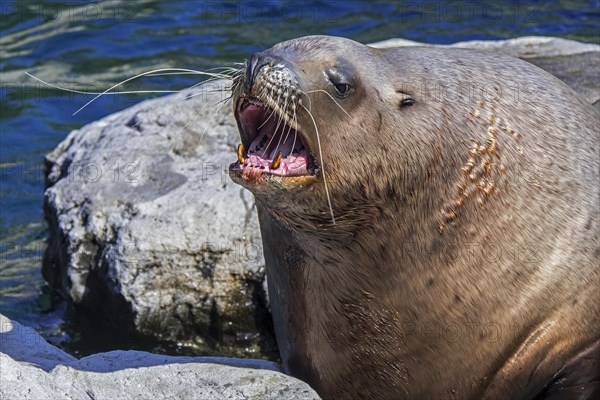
[(342, 80), (407, 102), (342, 89)]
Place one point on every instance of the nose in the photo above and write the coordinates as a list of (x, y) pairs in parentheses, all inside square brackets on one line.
[(255, 64)]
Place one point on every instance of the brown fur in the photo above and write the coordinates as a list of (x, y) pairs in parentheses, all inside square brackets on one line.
[(464, 258)]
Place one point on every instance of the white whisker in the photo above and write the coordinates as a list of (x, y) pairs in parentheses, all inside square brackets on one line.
[(295, 130), (275, 130), (324, 91), (266, 120), (281, 119), (211, 120), (322, 164), (139, 76), (99, 93)]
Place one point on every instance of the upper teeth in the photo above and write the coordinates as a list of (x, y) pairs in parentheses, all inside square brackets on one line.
[(276, 161), (240, 153)]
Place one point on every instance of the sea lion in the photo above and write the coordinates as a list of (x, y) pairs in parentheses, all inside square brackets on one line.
[(429, 219)]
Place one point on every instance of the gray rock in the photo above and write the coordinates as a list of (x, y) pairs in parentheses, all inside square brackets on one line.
[(580, 71), (148, 232), (33, 369), (575, 63), (522, 47), (22, 343)]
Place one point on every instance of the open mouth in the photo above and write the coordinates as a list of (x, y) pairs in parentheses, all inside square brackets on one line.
[(270, 145)]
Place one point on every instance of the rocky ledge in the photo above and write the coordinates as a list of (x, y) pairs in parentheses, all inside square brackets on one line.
[(33, 369), (149, 234)]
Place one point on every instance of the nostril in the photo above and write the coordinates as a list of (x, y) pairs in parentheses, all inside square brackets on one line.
[(251, 69), (256, 63)]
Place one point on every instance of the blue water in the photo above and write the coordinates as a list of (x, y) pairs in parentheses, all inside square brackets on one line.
[(92, 45)]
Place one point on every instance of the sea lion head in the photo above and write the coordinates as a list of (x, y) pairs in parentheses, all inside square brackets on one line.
[(307, 111)]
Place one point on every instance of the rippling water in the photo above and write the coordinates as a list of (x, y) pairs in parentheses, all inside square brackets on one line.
[(90, 46)]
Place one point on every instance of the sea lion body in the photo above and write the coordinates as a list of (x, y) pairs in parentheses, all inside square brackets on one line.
[(459, 258)]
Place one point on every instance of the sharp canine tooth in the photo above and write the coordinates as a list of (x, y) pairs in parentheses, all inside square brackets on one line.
[(276, 161), (240, 154)]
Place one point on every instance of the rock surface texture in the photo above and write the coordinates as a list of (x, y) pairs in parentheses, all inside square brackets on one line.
[(33, 369), (148, 233)]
